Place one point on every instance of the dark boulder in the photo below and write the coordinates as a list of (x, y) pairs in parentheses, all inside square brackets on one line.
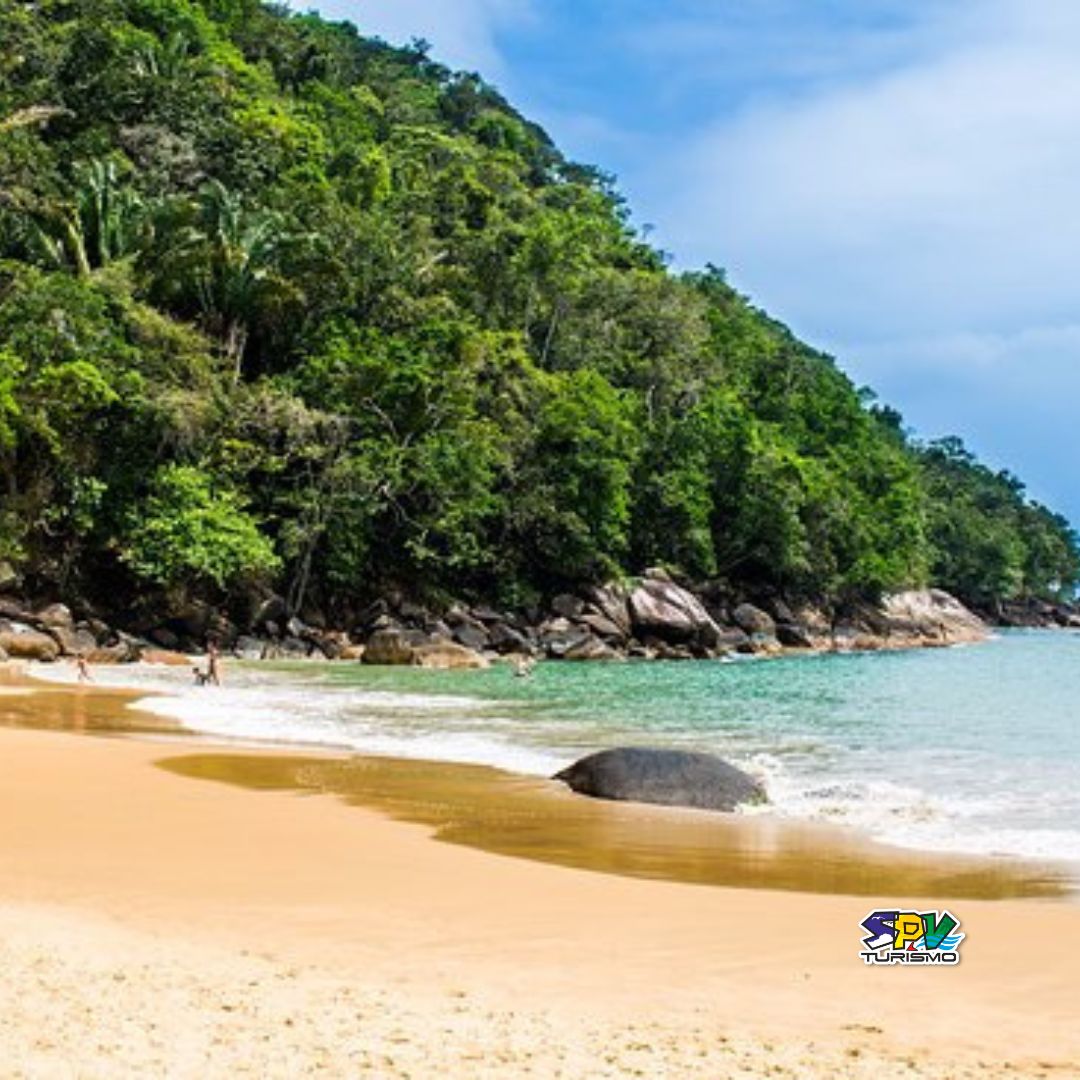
[(590, 649), (567, 605), (753, 620), (247, 647), (603, 627), (412, 613), (559, 637), (472, 634), (272, 610), (781, 613), (505, 639), (314, 617), (163, 636), (794, 636), (732, 639), (662, 650), (368, 617), (192, 623), (294, 648), (664, 777), (437, 630)]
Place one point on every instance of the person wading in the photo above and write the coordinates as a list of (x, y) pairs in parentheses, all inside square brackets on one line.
[(213, 664)]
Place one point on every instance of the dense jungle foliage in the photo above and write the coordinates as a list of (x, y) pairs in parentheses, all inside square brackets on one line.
[(283, 305)]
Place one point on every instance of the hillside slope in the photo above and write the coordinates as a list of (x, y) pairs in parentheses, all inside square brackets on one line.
[(284, 307)]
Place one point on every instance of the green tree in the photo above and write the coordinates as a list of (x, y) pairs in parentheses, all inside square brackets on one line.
[(185, 534)]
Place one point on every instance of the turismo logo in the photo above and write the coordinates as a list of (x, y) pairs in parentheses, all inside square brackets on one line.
[(911, 937)]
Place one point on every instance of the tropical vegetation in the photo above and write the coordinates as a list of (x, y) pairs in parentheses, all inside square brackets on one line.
[(284, 306)]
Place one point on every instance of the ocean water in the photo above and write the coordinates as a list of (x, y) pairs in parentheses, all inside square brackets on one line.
[(973, 749)]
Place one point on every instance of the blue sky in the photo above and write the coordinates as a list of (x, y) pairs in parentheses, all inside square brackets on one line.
[(898, 182)]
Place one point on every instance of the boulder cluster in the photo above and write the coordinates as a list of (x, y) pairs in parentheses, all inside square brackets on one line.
[(50, 632), (651, 617)]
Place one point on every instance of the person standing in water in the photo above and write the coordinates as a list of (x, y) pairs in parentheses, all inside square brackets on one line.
[(82, 669), (213, 664)]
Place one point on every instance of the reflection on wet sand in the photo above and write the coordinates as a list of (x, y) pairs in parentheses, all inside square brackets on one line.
[(538, 819), (79, 708)]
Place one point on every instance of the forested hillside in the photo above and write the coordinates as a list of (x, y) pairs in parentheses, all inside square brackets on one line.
[(282, 306)]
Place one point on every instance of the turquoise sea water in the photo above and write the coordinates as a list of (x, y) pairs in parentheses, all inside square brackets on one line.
[(974, 749)]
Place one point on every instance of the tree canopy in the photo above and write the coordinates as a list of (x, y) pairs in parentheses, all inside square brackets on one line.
[(280, 303)]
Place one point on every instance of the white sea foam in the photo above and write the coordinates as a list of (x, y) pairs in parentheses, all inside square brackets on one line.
[(271, 705), (910, 817), (406, 725)]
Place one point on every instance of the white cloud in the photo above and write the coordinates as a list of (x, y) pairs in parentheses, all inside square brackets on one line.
[(940, 195), (464, 33)]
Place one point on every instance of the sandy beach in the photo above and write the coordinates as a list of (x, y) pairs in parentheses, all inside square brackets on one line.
[(152, 924)]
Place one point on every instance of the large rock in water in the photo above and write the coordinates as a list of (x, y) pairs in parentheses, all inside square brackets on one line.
[(659, 608), (665, 777)]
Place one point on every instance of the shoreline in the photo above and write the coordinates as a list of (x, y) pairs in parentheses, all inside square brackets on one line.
[(757, 848), (503, 811), (167, 925)]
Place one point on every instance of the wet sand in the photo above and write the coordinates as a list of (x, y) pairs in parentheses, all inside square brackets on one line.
[(532, 818), (152, 924)]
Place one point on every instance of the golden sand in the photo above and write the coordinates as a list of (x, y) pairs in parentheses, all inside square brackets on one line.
[(154, 925)]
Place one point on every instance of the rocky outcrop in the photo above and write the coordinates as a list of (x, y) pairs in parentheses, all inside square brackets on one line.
[(398, 647), (664, 777), (389, 648), (752, 620), (612, 603), (658, 618), (22, 642), (929, 617), (592, 649), (654, 617), (471, 634), (448, 656), (558, 637), (568, 606), (661, 609), (1032, 613)]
